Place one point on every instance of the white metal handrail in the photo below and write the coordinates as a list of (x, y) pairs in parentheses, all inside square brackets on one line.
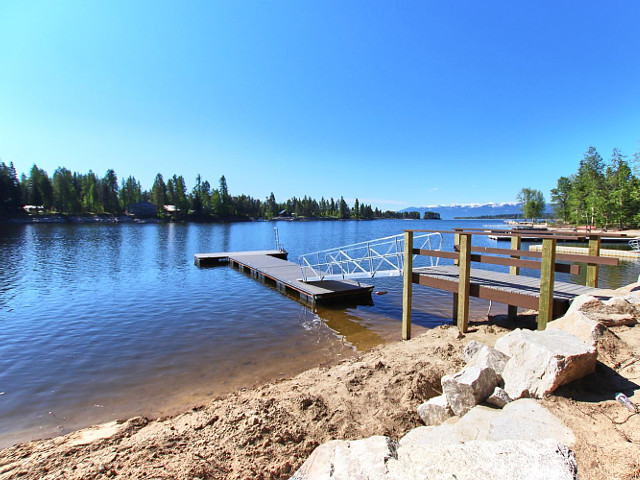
[(383, 257)]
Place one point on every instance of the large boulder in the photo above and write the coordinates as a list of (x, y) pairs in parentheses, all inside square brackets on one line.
[(522, 420), (435, 410), (614, 311), (487, 357), (467, 388), (340, 459), (541, 361), (473, 347), (486, 460), (585, 303), (580, 325)]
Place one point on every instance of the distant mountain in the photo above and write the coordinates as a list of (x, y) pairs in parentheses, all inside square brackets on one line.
[(448, 212)]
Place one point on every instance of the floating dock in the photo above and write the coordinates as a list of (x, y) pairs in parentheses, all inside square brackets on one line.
[(273, 265), (604, 252)]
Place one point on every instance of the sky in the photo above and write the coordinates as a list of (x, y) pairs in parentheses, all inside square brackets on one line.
[(396, 103)]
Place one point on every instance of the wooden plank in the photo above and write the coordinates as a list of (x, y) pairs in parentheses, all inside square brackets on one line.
[(592, 270), (504, 261), (486, 291), (407, 285), (545, 310), (524, 285), (535, 252), (464, 282), (505, 232), (516, 242), (607, 256)]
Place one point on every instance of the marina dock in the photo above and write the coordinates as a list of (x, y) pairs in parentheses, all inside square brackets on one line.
[(604, 252), (272, 265)]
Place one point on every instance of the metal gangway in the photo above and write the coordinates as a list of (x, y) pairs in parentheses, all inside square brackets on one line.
[(383, 257)]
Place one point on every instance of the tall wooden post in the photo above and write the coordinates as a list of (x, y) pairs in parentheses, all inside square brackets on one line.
[(592, 270), (456, 243), (456, 262), (547, 279), (407, 285), (516, 243), (464, 282)]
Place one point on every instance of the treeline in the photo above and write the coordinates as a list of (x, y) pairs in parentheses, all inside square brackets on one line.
[(601, 193), (75, 193)]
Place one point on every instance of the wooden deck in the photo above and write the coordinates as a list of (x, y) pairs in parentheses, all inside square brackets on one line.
[(272, 265), (518, 290)]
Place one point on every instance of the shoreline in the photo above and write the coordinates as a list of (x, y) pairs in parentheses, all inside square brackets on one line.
[(268, 431)]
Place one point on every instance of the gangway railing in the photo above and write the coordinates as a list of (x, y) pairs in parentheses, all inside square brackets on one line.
[(383, 257)]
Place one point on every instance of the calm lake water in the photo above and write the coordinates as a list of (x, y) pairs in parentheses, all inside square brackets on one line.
[(99, 322)]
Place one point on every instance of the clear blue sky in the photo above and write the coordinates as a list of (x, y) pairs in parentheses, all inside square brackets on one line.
[(396, 103)]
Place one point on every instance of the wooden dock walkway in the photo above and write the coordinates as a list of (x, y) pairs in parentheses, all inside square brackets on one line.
[(273, 265), (518, 290)]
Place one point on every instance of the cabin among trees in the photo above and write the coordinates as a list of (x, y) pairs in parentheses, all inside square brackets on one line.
[(142, 210)]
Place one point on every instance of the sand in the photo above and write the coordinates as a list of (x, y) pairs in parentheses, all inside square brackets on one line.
[(267, 432)]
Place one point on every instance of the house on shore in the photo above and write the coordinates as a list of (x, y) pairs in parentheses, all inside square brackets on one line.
[(141, 210)]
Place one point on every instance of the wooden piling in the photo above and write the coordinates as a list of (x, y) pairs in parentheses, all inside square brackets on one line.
[(592, 270), (407, 290), (545, 309), (464, 286), (516, 243)]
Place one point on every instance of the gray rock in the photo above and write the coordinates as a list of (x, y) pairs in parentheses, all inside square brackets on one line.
[(541, 361), (620, 305), (468, 387), (435, 410), (613, 319), (486, 460), (585, 303), (491, 358), (633, 298), (615, 311), (471, 349), (499, 398), (580, 325), (340, 459), (523, 419)]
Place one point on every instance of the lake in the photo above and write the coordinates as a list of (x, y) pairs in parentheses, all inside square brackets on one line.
[(99, 322)]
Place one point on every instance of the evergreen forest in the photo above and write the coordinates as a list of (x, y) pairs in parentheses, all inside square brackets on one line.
[(601, 193), (73, 193)]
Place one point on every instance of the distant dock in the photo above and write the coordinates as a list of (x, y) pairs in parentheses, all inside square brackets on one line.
[(272, 265), (604, 252)]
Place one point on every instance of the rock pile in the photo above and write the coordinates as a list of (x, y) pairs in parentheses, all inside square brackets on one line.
[(464, 440)]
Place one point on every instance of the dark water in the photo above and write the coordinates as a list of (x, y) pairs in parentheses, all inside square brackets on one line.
[(107, 321)]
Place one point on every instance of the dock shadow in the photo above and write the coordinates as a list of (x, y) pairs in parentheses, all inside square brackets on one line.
[(523, 320), (601, 385)]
